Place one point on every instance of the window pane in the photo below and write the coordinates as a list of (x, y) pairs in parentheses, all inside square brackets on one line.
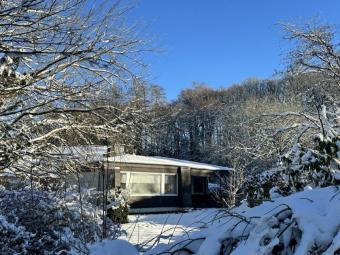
[(123, 180), (145, 183), (198, 184), (170, 185)]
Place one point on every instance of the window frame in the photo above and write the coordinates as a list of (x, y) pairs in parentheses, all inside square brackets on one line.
[(163, 184), (162, 193)]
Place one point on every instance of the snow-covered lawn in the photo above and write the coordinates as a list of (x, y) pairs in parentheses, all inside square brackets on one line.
[(306, 222), (147, 229)]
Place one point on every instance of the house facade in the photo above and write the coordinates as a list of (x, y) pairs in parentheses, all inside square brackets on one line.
[(158, 183), (155, 183)]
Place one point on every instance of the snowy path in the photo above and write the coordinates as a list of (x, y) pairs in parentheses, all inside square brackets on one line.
[(143, 228)]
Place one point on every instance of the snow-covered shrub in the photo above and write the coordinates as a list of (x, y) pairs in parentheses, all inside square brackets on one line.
[(38, 215), (118, 208), (13, 238), (261, 186), (300, 167), (39, 222), (116, 201), (317, 167)]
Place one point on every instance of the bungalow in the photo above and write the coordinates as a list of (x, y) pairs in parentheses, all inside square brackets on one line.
[(154, 183), (159, 183)]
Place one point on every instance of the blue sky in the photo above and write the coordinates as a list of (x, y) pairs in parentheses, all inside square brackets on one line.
[(221, 42)]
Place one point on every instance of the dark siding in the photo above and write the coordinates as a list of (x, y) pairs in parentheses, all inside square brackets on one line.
[(204, 201), (154, 201), (185, 187)]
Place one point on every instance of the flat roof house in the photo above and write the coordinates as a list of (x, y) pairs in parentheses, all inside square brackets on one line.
[(164, 183), (155, 183)]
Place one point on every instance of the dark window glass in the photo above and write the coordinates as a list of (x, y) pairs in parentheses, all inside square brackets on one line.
[(199, 185), (170, 184)]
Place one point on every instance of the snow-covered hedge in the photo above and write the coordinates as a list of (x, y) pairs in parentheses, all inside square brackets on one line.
[(306, 222), (40, 222)]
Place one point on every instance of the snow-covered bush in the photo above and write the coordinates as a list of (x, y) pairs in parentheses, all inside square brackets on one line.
[(40, 222), (116, 201), (261, 186), (118, 208), (300, 167), (317, 167)]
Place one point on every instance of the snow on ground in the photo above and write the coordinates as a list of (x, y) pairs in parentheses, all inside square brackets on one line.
[(143, 230), (113, 247), (307, 222)]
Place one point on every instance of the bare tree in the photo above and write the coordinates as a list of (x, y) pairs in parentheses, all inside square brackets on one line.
[(315, 50), (57, 58), (315, 56)]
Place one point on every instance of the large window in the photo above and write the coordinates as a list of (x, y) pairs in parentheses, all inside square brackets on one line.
[(145, 184), (149, 184)]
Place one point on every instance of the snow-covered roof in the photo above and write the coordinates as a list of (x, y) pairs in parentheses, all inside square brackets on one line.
[(155, 160), (88, 153), (98, 153), (86, 149)]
